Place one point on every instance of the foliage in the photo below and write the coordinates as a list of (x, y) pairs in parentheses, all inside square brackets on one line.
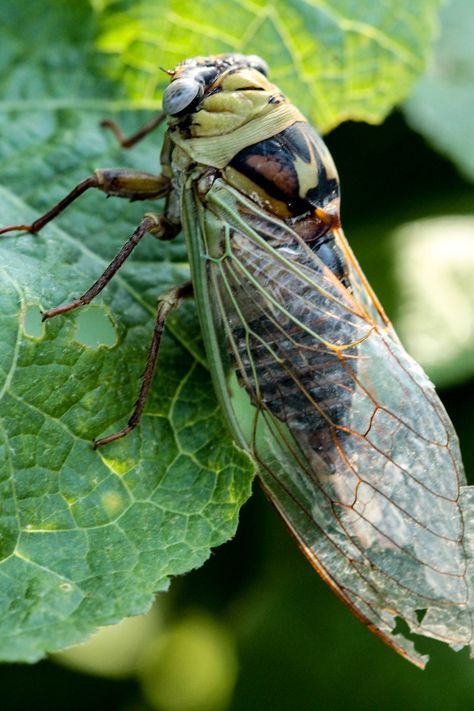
[(88, 537)]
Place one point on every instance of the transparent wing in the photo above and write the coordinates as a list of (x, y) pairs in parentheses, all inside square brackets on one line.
[(354, 448), (362, 292)]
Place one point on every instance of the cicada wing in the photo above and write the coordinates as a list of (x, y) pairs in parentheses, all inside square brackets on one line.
[(362, 292), (353, 446)]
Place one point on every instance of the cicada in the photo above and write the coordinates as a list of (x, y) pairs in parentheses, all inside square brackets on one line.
[(350, 441)]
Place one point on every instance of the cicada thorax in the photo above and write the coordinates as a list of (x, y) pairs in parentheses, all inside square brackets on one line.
[(293, 176)]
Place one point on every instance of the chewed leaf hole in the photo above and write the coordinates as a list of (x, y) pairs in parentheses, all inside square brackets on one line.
[(33, 327), (420, 614), (95, 328)]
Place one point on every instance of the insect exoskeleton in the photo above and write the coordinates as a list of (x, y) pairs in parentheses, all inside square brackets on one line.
[(350, 440)]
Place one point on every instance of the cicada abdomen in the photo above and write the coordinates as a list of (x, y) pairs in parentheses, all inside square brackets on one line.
[(352, 444)]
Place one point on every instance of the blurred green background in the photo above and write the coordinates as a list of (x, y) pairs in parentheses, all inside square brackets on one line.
[(255, 628)]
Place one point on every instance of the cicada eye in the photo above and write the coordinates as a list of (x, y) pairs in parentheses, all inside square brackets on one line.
[(258, 63), (181, 95)]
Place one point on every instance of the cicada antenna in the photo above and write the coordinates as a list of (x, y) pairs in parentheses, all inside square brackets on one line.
[(169, 72)]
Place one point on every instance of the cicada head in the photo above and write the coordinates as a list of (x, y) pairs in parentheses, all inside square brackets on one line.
[(211, 96)]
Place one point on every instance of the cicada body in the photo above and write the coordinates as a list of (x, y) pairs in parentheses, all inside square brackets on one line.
[(349, 438), (352, 444)]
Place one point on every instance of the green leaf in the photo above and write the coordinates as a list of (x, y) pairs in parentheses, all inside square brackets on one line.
[(87, 537), (442, 105), (336, 60)]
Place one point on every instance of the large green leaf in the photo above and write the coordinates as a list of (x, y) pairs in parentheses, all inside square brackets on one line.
[(87, 537)]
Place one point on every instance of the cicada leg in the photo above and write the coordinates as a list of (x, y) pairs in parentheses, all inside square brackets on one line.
[(155, 224), (116, 182), (166, 303), (136, 186), (138, 135)]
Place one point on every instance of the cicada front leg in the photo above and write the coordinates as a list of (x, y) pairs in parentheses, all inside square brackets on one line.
[(114, 182)]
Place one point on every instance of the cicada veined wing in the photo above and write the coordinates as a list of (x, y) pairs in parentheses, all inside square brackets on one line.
[(348, 432), (352, 444)]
